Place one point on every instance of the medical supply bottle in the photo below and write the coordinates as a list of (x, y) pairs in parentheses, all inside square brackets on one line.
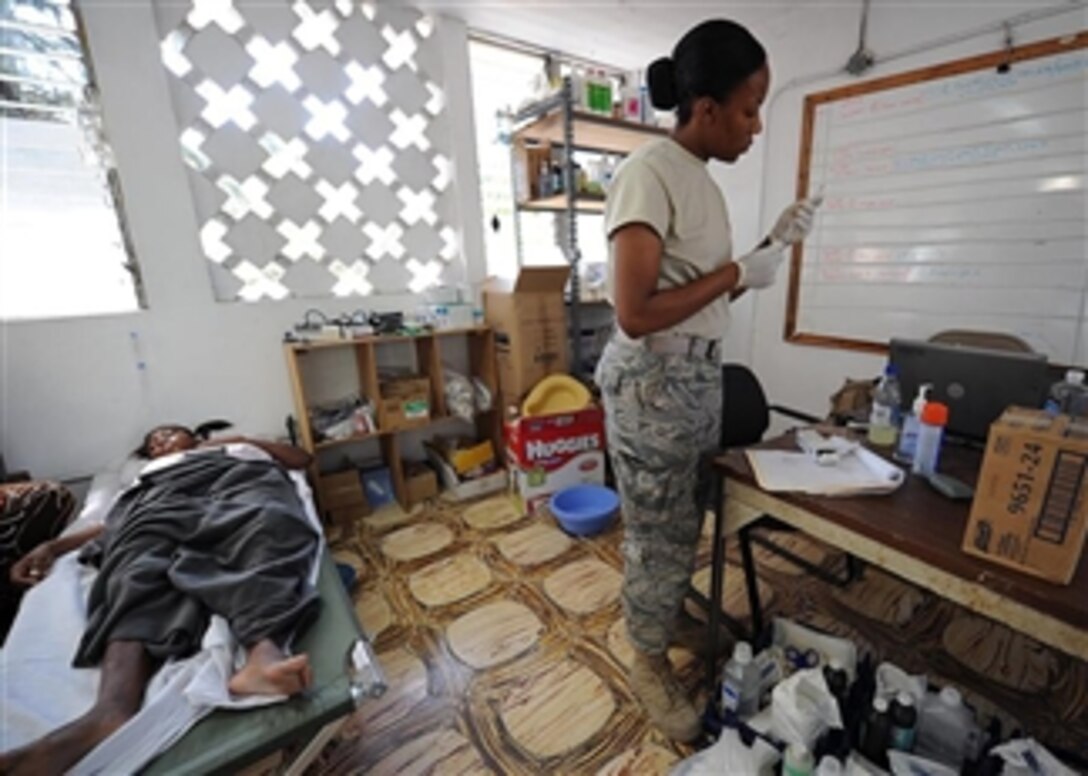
[(829, 766), (740, 683), (1069, 396), (946, 732), (798, 761), (930, 431), (904, 722), (884, 417), (908, 435), (876, 738)]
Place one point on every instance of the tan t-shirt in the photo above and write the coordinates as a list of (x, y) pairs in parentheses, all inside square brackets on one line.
[(666, 187)]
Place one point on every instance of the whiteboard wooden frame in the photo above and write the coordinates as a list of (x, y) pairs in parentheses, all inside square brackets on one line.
[(957, 67)]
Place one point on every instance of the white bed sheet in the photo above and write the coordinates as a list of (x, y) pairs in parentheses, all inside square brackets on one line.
[(40, 690)]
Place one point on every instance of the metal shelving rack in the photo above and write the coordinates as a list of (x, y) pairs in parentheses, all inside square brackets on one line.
[(555, 120)]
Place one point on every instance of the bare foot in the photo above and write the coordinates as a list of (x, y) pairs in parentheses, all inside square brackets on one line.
[(269, 672)]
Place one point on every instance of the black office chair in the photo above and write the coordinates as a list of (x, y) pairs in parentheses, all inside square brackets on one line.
[(746, 415)]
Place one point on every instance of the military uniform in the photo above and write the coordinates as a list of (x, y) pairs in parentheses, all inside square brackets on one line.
[(663, 415)]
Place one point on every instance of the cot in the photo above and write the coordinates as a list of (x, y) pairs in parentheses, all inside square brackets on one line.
[(41, 690)]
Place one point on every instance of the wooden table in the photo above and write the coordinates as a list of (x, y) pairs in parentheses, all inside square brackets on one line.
[(916, 534)]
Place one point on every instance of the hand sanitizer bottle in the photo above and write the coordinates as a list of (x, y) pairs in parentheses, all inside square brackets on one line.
[(908, 436)]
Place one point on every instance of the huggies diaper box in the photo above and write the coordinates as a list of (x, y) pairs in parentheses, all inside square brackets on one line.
[(547, 453)]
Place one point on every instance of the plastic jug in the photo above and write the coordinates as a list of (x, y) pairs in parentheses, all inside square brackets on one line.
[(946, 731)]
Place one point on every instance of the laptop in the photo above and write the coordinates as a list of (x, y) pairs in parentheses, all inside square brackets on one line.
[(977, 384)]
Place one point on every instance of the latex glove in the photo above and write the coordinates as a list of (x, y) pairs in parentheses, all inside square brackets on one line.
[(759, 268), (796, 221)]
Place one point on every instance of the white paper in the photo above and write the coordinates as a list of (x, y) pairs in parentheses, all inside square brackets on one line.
[(784, 471)]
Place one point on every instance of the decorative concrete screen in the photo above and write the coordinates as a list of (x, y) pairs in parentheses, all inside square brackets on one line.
[(317, 145)]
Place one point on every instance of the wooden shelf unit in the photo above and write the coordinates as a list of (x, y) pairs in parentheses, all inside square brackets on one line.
[(428, 358), (558, 204), (592, 132), (544, 123)]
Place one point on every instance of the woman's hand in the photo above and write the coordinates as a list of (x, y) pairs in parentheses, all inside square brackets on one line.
[(33, 567), (795, 223)]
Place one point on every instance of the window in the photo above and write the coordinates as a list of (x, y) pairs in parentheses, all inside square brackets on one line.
[(502, 80), (63, 251)]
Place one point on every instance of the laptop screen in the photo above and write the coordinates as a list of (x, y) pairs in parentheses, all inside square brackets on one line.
[(976, 384)]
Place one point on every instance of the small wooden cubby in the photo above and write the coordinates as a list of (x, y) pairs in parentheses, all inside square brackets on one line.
[(428, 351)]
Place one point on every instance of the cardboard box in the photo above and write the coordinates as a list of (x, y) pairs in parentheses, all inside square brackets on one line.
[(420, 484), (405, 402), (456, 489), (530, 323), (547, 453), (1031, 500), (340, 489)]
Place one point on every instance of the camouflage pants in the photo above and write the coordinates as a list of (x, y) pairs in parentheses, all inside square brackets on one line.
[(663, 416)]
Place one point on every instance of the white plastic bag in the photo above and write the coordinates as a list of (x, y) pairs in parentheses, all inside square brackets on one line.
[(803, 708), (729, 755), (1027, 757)]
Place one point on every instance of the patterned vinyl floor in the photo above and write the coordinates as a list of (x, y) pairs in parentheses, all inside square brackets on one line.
[(503, 642)]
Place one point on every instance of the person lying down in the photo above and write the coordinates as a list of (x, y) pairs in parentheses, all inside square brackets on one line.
[(210, 527)]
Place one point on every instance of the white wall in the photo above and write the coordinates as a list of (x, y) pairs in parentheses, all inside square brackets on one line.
[(804, 376), (72, 398)]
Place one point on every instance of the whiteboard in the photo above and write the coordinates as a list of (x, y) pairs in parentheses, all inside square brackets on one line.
[(954, 199)]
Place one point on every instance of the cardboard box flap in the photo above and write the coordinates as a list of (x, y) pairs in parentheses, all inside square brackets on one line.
[(536, 280)]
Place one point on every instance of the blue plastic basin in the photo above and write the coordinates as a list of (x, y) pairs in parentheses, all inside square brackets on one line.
[(585, 510)]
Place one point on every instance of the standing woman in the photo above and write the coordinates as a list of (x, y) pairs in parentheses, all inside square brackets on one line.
[(672, 274)]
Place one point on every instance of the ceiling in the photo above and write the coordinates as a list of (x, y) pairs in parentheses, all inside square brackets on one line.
[(624, 33)]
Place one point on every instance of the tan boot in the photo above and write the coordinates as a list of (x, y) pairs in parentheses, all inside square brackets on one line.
[(653, 683)]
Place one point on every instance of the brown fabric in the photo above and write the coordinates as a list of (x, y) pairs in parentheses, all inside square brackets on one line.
[(30, 513)]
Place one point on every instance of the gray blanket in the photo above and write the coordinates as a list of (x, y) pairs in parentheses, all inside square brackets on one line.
[(210, 534)]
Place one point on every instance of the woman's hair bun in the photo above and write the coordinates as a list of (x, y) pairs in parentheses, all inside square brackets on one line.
[(661, 80)]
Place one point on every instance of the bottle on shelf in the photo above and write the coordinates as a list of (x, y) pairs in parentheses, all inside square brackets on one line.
[(740, 683), (1069, 396), (904, 719), (908, 435), (884, 417), (544, 180), (930, 431)]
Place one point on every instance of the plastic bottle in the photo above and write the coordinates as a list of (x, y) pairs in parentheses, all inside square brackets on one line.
[(829, 766), (930, 430), (884, 417), (904, 719), (908, 435), (838, 681), (946, 731), (1069, 396), (740, 683), (544, 180), (878, 732), (798, 761)]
